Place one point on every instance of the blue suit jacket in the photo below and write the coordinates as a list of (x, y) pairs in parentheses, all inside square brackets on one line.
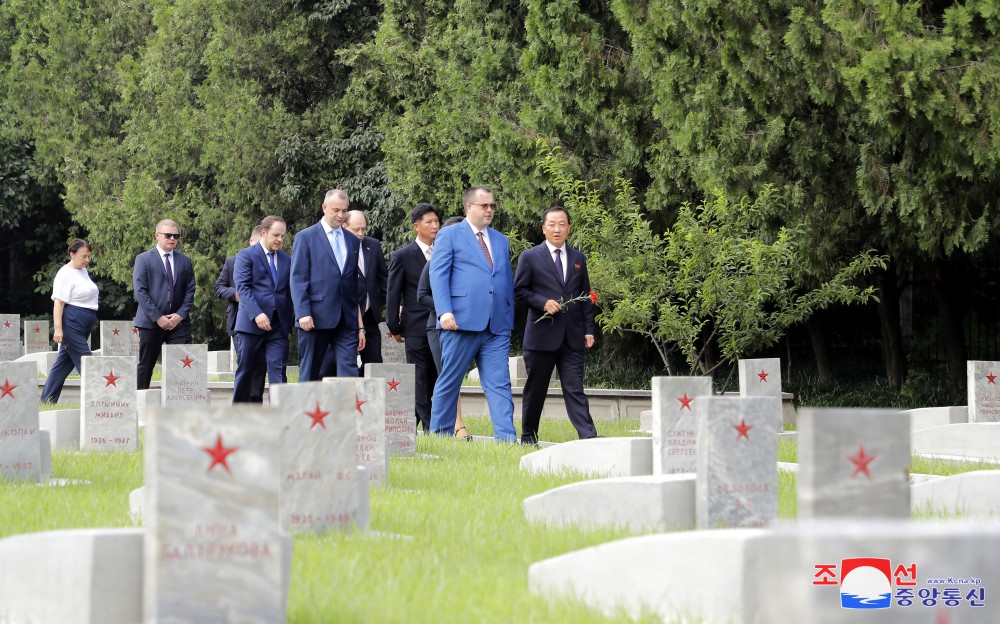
[(463, 284), (536, 282), (258, 292), (149, 281), (318, 287)]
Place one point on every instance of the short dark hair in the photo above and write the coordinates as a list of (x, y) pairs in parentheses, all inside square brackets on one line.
[(77, 245), (268, 221), (472, 190), (453, 220), (545, 214), (421, 209)]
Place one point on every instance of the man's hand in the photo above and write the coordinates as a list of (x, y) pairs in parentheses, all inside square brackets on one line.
[(396, 337), (306, 323), (552, 307), (174, 320), (263, 322), (588, 340), (448, 321), (361, 341)]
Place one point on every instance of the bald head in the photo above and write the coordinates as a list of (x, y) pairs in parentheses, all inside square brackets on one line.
[(356, 223)]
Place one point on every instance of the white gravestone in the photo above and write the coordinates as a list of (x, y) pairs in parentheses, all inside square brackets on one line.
[(116, 338), (10, 337), (213, 550), (392, 352), (185, 374), (369, 407), (109, 417), (737, 478), (761, 377), (319, 477), (983, 390), (36, 336), (400, 398), (20, 450), (675, 430), (853, 464), (135, 341)]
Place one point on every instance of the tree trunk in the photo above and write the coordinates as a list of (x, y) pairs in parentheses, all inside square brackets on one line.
[(892, 333), (821, 348), (950, 317)]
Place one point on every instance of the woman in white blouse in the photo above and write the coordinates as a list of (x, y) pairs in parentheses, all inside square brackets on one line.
[(74, 314)]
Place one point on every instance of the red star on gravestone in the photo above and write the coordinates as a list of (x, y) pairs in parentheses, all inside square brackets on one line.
[(685, 401), (7, 390), (38, 329), (6, 324), (115, 331), (743, 429), (393, 385), (762, 375), (861, 462), (317, 417), (219, 454), (111, 379), (187, 361), (358, 403), (135, 330), (388, 334), (992, 378)]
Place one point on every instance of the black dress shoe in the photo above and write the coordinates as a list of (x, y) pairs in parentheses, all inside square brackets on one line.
[(529, 440)]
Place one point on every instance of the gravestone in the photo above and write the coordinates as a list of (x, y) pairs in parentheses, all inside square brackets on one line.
[(116, 338), (400, 400), (320, 489), (737, 478), (134, 341), (185, 374), (64, 427), (20, 450), (392, 352), (109, 417), (761, 377), (213, 550), (10, 337), (369, 408), (36, 336), (853, 463), (983, 391), (675, 430)]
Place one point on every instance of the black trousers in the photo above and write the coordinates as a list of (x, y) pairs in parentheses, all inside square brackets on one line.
[(418, 353), (372, 353), (570, 365), (151, 343)]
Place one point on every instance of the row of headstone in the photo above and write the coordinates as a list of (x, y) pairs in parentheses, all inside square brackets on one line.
[(119, 338), (10, 337)]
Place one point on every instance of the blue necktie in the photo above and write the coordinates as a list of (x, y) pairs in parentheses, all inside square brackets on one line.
[(559, 268), (271, 263), (338, 251)]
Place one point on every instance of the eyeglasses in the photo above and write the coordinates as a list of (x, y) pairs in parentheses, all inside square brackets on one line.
[(491, 205), (169, 235)]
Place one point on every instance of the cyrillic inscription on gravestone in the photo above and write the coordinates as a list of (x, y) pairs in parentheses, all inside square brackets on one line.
[(400, 400), (737, 479), (675, 430), (319, 481), (20, 453), (185, 374), (392, 352), (369, 407), (36, 336), (213, 550), (983, 391), (109, 416), (10, 337), (116, 338)]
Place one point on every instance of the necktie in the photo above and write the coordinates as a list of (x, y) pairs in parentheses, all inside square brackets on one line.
[(272, 263), (338, 251), (170, 273), (361, 267), (559, 267), (486, 250), (427, 254)]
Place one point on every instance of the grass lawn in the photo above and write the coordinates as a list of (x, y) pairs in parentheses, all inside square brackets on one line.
[(467, 548)]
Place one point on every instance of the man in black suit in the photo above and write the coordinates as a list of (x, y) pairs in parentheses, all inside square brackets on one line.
[(163, 281), (557, 333), (225, 288), (406, 318), (372, 284)]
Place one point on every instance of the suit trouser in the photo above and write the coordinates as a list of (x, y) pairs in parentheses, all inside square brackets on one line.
[(273, 346), (77, 324), (490, 351), (569, 362), (372, 353), (151, 342), (342, 340), (259, 372), (418, 353)]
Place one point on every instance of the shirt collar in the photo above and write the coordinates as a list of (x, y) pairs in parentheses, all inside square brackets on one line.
[(266, 250), (327, 228), (552, 248), (423, 246)]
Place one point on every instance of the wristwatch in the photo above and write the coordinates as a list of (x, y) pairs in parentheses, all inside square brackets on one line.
[(361, 331)]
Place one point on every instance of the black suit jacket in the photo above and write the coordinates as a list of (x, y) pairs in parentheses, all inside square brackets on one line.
[(404, 275), (536, 281), (375, 280), (225, 288), (152, 292)]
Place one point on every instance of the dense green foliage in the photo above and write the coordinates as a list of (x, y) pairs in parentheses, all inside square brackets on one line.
[(876, 121)]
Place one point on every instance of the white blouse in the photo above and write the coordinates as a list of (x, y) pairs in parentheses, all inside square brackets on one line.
[(74, 286)]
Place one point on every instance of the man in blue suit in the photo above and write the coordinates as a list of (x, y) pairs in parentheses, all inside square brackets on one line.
[(324, 286), (473, 287), (557, 333), (163, 281), (265, 314), (225, 288)]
